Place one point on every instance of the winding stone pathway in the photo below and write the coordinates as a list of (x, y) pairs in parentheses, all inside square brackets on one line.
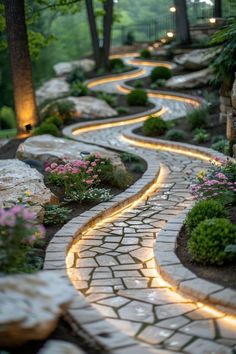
[(113, 263)]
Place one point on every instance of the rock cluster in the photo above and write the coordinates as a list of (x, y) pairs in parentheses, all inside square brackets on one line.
[(65, 68), (192, 80), (197, 59)]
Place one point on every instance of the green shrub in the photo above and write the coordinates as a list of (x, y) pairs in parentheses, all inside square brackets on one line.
[(78, 89), (197, 118), (76, 75), (176, 135), (46, 128), (217, 138), (120, 178), (200, 135), (127, 157), (138, 84), (64, 109), (110, 99), (137, 167), (204, 209), (145, 54), (57, 121), (116, 64), (122, 110), (221, 146), (7, 118), (160, 72), (137, 97), (209, 239), (55, 214), (154, 126)]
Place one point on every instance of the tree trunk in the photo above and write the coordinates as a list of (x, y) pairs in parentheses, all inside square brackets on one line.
[(24, 97), (217, 9), (107, 28), (182, 24), (93, 32)]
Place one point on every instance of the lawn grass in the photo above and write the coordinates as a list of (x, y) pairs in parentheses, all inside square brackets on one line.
[(7, 133)]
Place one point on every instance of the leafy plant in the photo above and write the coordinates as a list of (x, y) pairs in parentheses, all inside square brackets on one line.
[(55, 214), (46, 128), (120, 178), (57, 121), (78, 89), (109, 98), (98, 195), (209, 239), (122, 110), (76, 75), (127, 157), (138, 84), (197, 118), (176, 135), (217, 138), (7, 118), (200, 135), (137, 167), (154, 126), (221, 146), (116, 64), (204, 209), (160, 72), (130, 39), (137, 97), (145, 54), (64, 109)]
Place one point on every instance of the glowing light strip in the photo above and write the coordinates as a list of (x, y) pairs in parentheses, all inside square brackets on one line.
[(86, 129), (149, 63), (127, 55)]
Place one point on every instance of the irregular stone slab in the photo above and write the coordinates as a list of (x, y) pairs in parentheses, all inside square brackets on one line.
[(16, 178), (92, 107), (43, 147), (31, 305), (233, 95), (192, 80), (60, 347), (52, 89), (198, 58), (65, 68)]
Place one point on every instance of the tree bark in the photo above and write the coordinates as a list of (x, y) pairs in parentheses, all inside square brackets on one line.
[(23, 91), (182, 24), (93, 32), (107, 29), (217, 8)]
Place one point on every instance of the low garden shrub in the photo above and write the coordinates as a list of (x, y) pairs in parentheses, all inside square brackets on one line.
[(7, 118), (57, 121), (200, 135), (46, 128), (78, 89), (138, 84), (154, 126), (110, 99), (120, 178), (116, 64), (137, 97), (127, 157), (55, 214), (160, 72), (64, 109), (197, 118), (76, 75), (145, 54), (204, 209), (176, 135), (209, 240), (122, 110), (222, 146)]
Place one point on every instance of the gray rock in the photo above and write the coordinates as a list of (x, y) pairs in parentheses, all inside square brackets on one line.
[(192, 80), (43, 147), (31, 305), (60, 347), (198, 58), (16, 178), (52, 89), (65, 68), (233, 95)]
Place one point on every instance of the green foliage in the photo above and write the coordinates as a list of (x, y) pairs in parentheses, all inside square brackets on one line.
[(217, 138), (160, 72), (224, 64), (78, 89), (120, 178), (137, 167), (209, 239), (98, 195), (137, 97), (197, 118), (7, 118), (116, 64), (130, 39), (176, 135), (127, 157), (77, 74), (145, 54), (109, 98), (122, 110), (154, 126), (55, 214), (138, 84), (46, 128), (200, 135), (221, 146), (37, 41), (63, 109), (57, 121), (204, 209)]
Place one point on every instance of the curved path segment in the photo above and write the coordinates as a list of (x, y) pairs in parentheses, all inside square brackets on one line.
[(112, 262)]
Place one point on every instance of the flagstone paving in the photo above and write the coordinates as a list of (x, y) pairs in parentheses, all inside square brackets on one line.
[(114, 267)]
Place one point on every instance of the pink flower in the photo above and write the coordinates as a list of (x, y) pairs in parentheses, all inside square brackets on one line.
[(89, 181), (94, 164), (53, 165)]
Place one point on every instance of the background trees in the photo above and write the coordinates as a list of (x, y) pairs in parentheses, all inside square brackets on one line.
[(182, 23)]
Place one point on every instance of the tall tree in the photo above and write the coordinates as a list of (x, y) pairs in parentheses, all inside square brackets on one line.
[(182, 23), (217, 8), (101, 48), (23, 91)]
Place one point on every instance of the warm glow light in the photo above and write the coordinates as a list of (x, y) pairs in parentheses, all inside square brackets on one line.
[(170, 34), (172, 9), (163, 40), (121, 55), (212, 20), (148, 63), (150, 48)]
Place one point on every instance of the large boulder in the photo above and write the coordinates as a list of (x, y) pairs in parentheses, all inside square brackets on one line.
[(91, 107), (60, 347), (31, 305), (52, 89), (196, 79), (65, 68), (44, 147), (16, 178), (197, 59), (233, 95)]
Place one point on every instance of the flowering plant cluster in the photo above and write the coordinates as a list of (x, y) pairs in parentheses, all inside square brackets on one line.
[(219, 182), (19, 230)]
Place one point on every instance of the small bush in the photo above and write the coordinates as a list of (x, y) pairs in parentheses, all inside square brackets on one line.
[(221, 146), (46, 128), (116, 64), (160, 72), (209, 240), (200, 136), (7, 118), (64, 109), (138, 84), (217, 138), (78, 89), (127, 157), (197, 118), (98, 195), (176, 135), (137, 167), (55, 214), (137, 97), (120, 178), (76, 75), (122, 110), (145, 54), (154, 126), (110, 99), (57, 121), (204, 209)]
